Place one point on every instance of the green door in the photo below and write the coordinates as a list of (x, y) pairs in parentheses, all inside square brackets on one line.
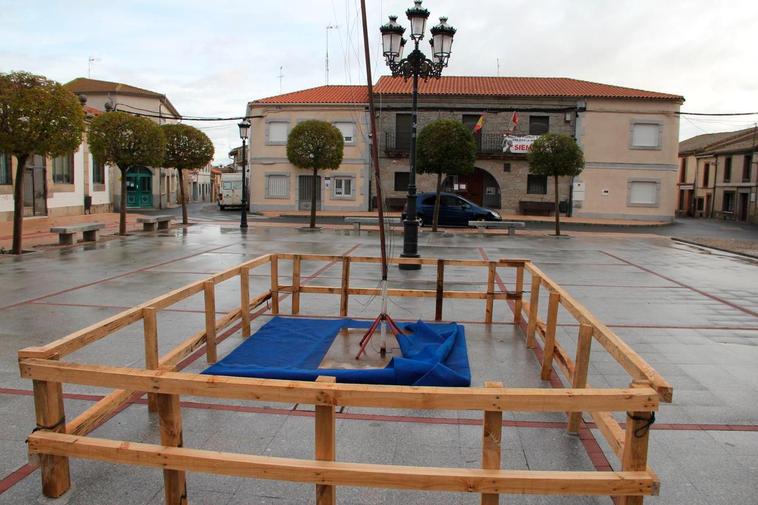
[(139, 188)]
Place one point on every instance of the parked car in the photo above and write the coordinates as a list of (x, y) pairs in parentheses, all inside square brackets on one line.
[(230, 193), (454, 210)]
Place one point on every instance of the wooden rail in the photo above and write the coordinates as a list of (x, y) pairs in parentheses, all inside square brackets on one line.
[(56, 441)]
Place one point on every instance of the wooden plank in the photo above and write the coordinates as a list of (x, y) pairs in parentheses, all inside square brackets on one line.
[(549, 349), (210, 321), (48, 408), (417, 293), (296, 261), (534, 301), (511, 262), (492, 435), (490, 295), (274, 284), (579, 379), (471, 480), (326, 445), (356, 395), (150, 324), (345, 288), (245, 300), (439, 295), (170, 419), (636, 438), (520, 291), (99, 411), (611, 431)]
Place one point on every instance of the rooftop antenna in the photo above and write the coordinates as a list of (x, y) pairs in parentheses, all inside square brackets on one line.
[(280, 76), (328, 27), (498, 67), (90, 61)]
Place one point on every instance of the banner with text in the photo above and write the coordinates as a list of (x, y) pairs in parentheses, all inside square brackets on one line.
[(518, 144)]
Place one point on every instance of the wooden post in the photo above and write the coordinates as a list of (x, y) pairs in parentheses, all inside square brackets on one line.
[(534, 303), (209, 289), (440, 290), (520, 293), (274, 284), (170, 418), (48, 408), (581, 368), (552, 320), (490, 292), (245, 300), (296, 261), (325, 444), (634, 458), (345, 285), (150, 323), (492, 435)]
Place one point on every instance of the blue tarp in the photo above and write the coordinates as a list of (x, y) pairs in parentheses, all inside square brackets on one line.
[(433, 354)]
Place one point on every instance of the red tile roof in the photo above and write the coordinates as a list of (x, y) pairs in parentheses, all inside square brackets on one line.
[(516, 87), (331, 94)]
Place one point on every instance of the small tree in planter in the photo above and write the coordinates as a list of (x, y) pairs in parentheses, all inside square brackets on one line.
[(126, 141), (556, 155), (37, 116), (445, 146), (187, 148), (316, 145)]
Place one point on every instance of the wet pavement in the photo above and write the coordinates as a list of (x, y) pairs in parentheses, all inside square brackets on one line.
[(692, 314)]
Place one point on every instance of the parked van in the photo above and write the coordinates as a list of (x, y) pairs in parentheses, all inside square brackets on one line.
[(230, 193)]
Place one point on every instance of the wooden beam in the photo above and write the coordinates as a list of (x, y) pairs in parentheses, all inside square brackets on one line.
[(520, 291), (345, 288), (492, 435), (440, 293), (326, 446), (356, 395), (98, 412), (549, 349), (490, 291), (636, 444), (534, 301), (413, 293), (296, 261), (509, 262), (170, 418), (150, 323), (48, 408), (245, 300), (462, 480), (579, 379), (274, 284), (209, 288)]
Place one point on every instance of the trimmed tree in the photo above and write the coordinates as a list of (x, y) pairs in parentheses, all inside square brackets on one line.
[(126, 141), (37, 116), (556, 155), (316, 145), (187, 148), (445, 147)]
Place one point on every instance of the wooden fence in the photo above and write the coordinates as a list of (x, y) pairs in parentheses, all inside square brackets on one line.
[(55, 440)]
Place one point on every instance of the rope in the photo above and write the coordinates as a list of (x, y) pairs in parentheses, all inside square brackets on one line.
[(642, 430)]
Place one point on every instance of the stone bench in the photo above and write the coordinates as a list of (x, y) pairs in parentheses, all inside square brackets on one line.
[(507, 225), (149, 223), (529, 207), (358, 221), (66, 233)]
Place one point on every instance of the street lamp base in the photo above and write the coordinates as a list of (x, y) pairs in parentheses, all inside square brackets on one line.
[(409, 266)]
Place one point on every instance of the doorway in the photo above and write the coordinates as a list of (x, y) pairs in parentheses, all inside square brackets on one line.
[(305, 188), (35, 187), (479, 187), (743, 206), (139, 188)]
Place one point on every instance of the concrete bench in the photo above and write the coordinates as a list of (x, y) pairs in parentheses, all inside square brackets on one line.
[(149, 223), (358, 221), (529, 207), (66, 233), (501, 225)]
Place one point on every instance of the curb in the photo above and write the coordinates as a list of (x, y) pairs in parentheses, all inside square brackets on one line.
[(692, 242)]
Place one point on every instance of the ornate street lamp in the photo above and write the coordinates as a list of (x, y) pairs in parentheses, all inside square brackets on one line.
[(244, 127), (415, 65)]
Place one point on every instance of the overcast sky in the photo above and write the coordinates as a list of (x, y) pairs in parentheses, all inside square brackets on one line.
[(211, 57)]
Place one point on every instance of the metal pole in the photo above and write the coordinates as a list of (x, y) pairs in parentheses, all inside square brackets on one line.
[(243, 217), (410, 226)]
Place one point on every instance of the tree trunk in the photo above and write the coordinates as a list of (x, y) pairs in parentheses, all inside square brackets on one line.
[(557, 209), (122, 207), (18, 203), (313, 198), (183, 196), (436, 217)]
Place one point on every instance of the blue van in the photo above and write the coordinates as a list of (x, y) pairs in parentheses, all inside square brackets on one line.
[(454, 210)]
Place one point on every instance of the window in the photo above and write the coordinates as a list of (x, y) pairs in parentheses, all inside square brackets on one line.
[(706, 174), (683, 171), (728, 203), (403, 132), (746, 168), (401, 181), (728, 169), (646, 136), (536, 184), (699, 204), (63, 169), (277, 132), (506, 167), (5, 169), (348, 132), (98, 172), (277, 186), (643, 193), (343, 187), (539, 125)]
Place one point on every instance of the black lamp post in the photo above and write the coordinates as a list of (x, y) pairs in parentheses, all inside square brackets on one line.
[(244, 127), (415, 65)]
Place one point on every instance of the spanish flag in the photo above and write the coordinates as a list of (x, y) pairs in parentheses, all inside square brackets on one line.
[(479, 124)]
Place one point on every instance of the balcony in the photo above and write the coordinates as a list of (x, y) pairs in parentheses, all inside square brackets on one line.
[(488, 146)]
